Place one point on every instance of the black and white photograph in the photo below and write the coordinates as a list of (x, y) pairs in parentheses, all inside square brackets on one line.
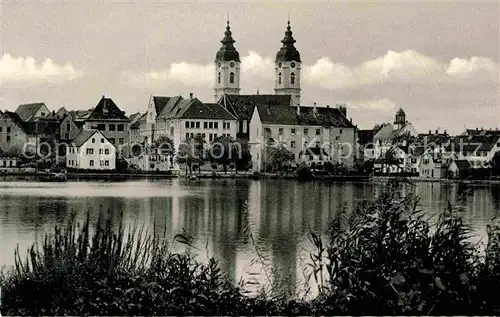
[(249, 158)]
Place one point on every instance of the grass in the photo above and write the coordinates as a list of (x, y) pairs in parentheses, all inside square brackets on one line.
[(385, 257)]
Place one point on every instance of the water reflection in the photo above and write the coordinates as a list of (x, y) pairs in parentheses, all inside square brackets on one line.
[(279, 218)]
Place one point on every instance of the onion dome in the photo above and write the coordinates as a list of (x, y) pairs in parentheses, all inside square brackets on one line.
[(227, 52), (288, 52)]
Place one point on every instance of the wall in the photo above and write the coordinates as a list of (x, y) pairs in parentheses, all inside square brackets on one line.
[(17, 136), (118, 138), (72, 132)]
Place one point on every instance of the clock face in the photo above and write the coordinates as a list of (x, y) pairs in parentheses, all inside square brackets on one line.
[(292, 65), (231, 64)]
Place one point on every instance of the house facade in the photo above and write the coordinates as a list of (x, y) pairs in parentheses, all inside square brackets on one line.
[(112, 122), (32, 111), (14, 133), (300, 129), (91, 150)]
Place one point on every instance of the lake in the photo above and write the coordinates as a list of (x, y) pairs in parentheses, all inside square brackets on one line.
[(281, 214)]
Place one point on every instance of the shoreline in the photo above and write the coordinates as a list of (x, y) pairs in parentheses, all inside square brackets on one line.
[(44, 176)]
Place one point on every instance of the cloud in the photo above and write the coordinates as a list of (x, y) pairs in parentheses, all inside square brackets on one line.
[(384, 105), (21, 69), (397, 67), (254, 64)]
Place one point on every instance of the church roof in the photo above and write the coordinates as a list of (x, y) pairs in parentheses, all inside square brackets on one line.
[(400, 112), (288, 52), (242, 106), (195, 109), (227, 52)]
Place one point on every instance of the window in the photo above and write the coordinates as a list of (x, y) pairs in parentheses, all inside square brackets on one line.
[(0, 129), (68, 127), (279, 78), (93, 140), (292, 78), (112, 140), (340, 131), (121, 140), (215, 136), (280, 131), (101, 127), (120, 127), (210, 125), (102, 140), (66, 135), (318, 131), (205, 125), (218, 78), (91, 162), (197, 124), (112, 127), (292, 144), (293, 131), (203, 135), (43, 114), (216, 125), (210, 137), (8, 129), (306, 131), (317, 143), (106, 151), (101, 163), (187, 136), (187, 124), (106, 163), (100, 151), (90, 151), (231, 78)]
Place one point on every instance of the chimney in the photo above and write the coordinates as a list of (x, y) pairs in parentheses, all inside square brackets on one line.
[(314, 108), (328, 106), (430, 132), (445, 133), (437, 132), (190, 95)]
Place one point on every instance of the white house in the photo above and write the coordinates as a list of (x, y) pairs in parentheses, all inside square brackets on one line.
[(300, 129), (91, 150)]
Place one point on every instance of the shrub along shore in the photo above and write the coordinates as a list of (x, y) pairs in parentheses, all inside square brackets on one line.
[(385, 257)]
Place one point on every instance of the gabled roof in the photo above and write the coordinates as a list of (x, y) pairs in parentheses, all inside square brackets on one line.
[(80, 115), (462, 165), (168, 107), (62, 112), (106, 109), (137, 123), (83, 137), (27, 127), (287, 115), (27, 111), (160, 103), (134, 117), (242, 105), (195, 109)]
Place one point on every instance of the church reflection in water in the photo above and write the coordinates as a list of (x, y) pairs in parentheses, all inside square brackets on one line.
[(279, 217)]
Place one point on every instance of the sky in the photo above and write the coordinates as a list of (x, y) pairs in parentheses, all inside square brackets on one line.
[(439, 61)]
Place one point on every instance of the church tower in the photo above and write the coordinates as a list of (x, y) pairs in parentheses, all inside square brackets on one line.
[(287, 66), (400, 121), (227, 67)]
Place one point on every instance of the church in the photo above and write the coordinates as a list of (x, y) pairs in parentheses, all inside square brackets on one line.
[(255, 118)]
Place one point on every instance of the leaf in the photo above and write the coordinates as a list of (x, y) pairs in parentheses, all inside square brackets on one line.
[(439, 284)]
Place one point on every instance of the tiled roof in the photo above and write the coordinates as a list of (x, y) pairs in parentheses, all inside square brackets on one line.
[(468, 143), (27, 127), (80, 115), (27, 111), (84, 135), (168, 107), (160, 103), (287, 115), (195, 109), (134, 117), (483, 132), (462, 165), (106, 109), (242, 105)]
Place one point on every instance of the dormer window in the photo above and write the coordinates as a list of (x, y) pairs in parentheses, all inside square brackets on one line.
[(231, 78), (292, 78)]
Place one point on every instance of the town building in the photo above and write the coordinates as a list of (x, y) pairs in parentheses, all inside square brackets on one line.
[(14, 134), (32, 111), (112, 122), (91, 150), (459, 169), (300, 129), (69, 128)]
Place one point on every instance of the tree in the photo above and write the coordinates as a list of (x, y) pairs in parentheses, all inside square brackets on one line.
[(278, 155), (191, 152), (227, 152), (164, 145)]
